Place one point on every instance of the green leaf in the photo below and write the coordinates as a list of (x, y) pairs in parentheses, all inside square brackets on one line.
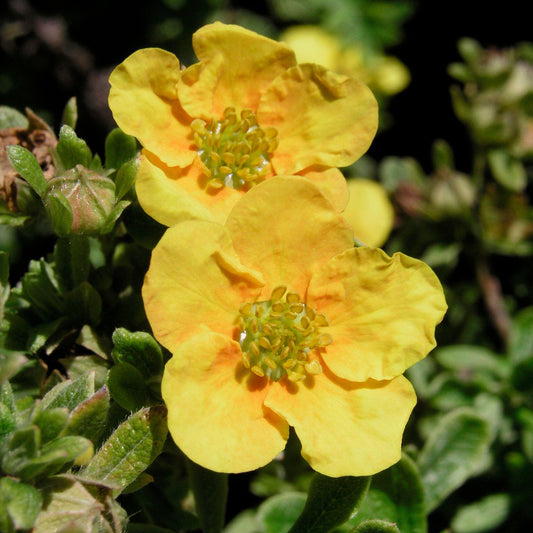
[(377, 526), (139, 349), (70, 393), (483, 515), (463, 357), (130, 449), (85, 304), (12, 118), (70, 113), (210, 490), (72, 150), (72, 260), (125, 177), (22, 502), (51, 422), (20, 447), (25, 163), (278, 513), (119, 148), (127, 386), (8, 421), (452, 454), (331, 502), (60, 212), (88, 419), (113, 216), (507, 170), (396, 495), (521, 336)]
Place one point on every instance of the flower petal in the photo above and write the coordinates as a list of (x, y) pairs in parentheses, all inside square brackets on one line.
[(322, 118), (369, 211), (143, 99), (236, 66), (215, 407), (346, 429), (331, 183), (173, 194), (284, 227), (382, 312), (195, 283)]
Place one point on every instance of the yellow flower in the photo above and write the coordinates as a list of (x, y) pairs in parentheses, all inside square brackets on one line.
[(275, 320), (245, 112), (369, 211)]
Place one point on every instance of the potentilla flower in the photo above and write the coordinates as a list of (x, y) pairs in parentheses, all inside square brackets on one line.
[(275, 319), (244, 113)]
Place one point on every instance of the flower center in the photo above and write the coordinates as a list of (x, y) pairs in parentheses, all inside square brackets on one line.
[(235, 152), (278, 336)]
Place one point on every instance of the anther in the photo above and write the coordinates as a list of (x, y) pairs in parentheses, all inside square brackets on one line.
[(258, 371), (278, 292)]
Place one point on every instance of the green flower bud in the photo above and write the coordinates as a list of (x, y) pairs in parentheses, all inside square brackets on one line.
[(80, 201)]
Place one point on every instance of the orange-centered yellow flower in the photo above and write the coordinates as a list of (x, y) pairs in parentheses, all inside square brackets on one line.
[(245, 112), (275, 320)]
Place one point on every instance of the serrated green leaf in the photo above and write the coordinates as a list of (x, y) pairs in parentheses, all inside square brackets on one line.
[(396, 495), (51, 422), (70, 113), (125, 178), (22, 502), (88, 419), (12, 118), (70, 393), (330, 503), (131, 448), (119, 148), (278, 513), (72, 150), (452, 453), (210, 490), (139, 349), (20, 447), (8, 421), (127, 386), (483, 515), (27, 166)]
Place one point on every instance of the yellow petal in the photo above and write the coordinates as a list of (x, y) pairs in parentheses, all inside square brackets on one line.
[(173, 194), (346, 429), (369, 211), (382, 312), (215, 407), (195, 283), (332, 184), (143, 99), (236, 66), (284, 227), (322, 118)]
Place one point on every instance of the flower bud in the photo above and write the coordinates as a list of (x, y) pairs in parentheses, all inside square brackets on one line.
[(90, 198)]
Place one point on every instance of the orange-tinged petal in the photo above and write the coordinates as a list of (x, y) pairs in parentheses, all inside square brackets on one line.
[(284, 227), (382, 312), (215, 407), (143, 99), (173, 194), (195, 283), (322, 118), (236, 67), (331, 183), (346, 429)]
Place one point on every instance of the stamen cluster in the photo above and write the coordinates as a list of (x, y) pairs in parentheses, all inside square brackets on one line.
[(279, 336), (235, 151)]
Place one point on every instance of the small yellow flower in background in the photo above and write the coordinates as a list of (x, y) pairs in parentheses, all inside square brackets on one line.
[(244, 113), (384, 74), (274, 319), (369, 211)]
